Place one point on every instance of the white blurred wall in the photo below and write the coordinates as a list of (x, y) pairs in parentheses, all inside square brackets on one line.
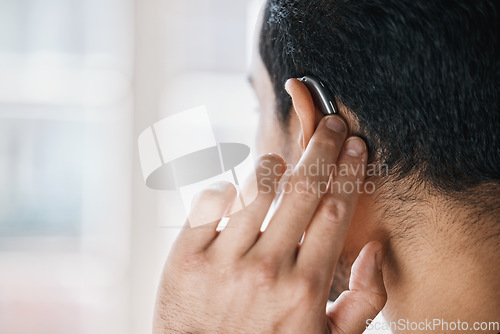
[(188, 53), (82, 239)]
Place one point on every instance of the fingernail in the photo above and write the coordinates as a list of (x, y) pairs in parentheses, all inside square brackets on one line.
[(335, 123), (300, 141), (378, 259), (355, 146), (287, 86)]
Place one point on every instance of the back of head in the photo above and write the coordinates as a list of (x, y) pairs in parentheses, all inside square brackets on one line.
[(421, 78)]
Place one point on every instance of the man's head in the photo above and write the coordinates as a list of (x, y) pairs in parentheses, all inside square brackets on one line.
[(418, 80)]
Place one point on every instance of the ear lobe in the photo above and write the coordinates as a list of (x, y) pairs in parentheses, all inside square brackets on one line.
[(303, 105)]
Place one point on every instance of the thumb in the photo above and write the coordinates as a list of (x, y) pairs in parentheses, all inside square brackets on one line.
[(366, 295)]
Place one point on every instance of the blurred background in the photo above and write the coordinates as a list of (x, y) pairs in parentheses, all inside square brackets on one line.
[(82, 239)]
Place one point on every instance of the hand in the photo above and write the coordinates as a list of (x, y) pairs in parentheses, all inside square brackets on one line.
[(242, 280)]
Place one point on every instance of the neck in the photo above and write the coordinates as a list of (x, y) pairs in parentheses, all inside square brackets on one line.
[(432, 277)]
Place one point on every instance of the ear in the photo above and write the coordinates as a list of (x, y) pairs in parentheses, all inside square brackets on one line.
[(303, 105)]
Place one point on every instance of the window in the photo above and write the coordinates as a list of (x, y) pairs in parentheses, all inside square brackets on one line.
[(65, 155), (82, 239)]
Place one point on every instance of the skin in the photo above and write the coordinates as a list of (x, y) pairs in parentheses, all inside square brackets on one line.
[(422, 282), (242, 280)]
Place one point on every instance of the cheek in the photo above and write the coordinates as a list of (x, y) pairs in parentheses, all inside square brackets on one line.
[(272, 138)]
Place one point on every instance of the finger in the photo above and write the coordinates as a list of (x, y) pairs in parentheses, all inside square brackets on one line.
[(303, 192), (207, 209), (366, 296), (302, 100), (243, 227), (325, 234)]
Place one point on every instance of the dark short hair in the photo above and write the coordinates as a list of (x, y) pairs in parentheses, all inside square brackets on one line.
[(421, 77)]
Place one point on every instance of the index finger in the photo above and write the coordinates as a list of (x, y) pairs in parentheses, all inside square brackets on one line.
[(325, 235), (304, 189)]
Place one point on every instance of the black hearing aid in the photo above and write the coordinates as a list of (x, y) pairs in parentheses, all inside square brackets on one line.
[(321, 96)]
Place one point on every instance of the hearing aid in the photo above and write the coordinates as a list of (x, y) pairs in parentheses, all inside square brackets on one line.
[(320, 94)]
